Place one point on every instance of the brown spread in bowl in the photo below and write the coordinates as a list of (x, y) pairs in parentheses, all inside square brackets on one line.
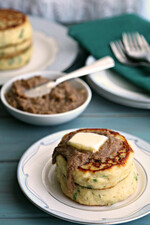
[(63, 98)]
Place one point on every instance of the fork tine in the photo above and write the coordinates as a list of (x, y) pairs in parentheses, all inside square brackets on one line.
[(115, 50), (135, 41), (125, 41), (142, 42), (145, 43), (121, 49), (130, 40), (118, 52), (138, 36)]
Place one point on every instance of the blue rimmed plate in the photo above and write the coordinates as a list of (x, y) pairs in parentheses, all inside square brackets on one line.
[(37, 180)]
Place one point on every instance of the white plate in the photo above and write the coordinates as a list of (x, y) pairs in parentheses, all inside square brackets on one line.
[(35, 168), (53, 49), (118, 89)]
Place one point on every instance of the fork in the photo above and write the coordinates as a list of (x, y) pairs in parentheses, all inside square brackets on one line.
[(136, 46), (119, 52)]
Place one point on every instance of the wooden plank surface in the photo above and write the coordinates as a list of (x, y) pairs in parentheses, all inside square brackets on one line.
[(15, 140), (16, 137), (49, 221), (15, 208)]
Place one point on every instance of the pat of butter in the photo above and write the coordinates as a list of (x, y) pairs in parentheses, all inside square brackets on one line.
[(87, 141)]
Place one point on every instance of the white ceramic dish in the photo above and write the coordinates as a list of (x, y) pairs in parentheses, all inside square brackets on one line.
[(53, 49), (117, 89), (35, 171), (45, 120)]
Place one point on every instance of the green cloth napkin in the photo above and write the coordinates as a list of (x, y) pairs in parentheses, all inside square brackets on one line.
[(95, 37)]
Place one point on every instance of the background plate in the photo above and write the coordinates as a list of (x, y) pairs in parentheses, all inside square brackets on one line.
[(114, 87), (34, 162), (53, 49)]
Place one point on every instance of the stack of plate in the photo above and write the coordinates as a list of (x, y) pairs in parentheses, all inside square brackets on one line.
[(115, 88)]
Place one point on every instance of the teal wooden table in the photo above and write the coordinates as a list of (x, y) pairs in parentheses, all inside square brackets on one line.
[(16, 137)]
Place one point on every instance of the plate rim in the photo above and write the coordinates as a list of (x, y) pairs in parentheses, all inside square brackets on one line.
[(112, 92), (54, 212), (59, 26), (117, 99)]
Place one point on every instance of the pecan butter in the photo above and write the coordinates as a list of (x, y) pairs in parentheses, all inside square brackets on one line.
[(62, 98)]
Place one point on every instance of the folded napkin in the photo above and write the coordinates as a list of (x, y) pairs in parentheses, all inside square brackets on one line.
[(95, 37)]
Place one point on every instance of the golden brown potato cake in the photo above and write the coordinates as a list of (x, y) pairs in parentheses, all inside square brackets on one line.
[(14, 27)]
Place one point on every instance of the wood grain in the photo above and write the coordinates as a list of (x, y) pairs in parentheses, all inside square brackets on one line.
[(16, 137)]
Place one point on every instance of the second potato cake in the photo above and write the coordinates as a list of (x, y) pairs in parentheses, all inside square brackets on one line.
[(15, 39)]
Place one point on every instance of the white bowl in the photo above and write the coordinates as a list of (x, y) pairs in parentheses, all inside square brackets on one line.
[(45, 120)]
